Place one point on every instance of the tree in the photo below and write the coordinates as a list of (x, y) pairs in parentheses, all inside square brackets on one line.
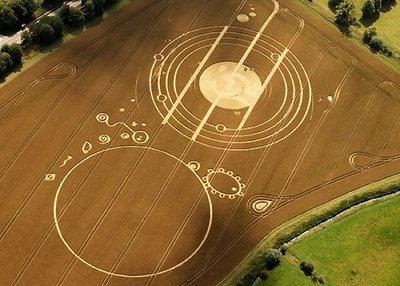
[(368, 34), (93, 8), (6, 63), (307, 268), (272, 258), (15, 51), (7, 17), (43, 34), (56, 23), (345, 15), (368, 9), (71, 16), (19, 9)]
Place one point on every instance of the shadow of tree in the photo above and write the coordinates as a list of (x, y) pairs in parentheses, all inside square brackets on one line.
[(368, 21), (388, 5)]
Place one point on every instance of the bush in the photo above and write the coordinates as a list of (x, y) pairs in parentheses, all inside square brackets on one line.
[(283, 249), (26, 39), (272, 258), (307, 268), (321, 279)]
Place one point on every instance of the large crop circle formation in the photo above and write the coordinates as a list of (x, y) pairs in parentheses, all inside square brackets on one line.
[(222, 90), (227, 103)]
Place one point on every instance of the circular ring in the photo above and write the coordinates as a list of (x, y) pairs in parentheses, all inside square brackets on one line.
[(102, 117), (140, 137)]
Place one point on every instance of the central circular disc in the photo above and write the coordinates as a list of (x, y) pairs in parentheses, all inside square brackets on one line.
[(230, 86)]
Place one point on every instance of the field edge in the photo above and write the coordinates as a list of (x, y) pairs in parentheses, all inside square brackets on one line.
[(269, 240)]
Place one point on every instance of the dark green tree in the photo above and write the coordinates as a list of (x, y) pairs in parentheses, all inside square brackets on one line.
[(6, 62), (19, 9), (56, 23), (8, 19), (93, 8), (345, 15), (368, 9), (71, 16), (377, 44), (307, 268), (272, 258), (43, 34), (15, 51)]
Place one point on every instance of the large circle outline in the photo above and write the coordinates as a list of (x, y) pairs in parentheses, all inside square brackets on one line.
[(113, 273)]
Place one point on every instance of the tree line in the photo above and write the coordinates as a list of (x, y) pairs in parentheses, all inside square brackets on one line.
[(14, 13), (345, 17), (49, 29)]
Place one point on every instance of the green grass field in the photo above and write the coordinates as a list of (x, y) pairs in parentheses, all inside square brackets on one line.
[(360, 249)]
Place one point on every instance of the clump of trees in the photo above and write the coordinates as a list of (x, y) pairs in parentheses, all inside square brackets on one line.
[(345, 15), (47, 30), (376, 44), (10, 57), (14, 13)]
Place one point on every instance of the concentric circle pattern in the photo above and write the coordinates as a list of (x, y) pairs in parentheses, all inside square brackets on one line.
[(282, 109)]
